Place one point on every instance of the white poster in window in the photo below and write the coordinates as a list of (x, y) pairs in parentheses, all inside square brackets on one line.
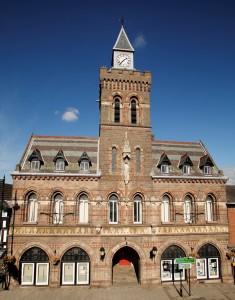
[(83, 273), (27, 273), (213, 267), (201, 268), (166, 270), (42, 274), (68, 273)]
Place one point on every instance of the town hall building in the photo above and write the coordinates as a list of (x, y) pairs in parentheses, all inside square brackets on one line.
[(122, 199)]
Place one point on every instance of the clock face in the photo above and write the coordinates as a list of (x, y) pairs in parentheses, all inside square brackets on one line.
[(123, 60)]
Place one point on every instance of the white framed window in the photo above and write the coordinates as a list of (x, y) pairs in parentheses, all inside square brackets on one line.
[(186, 169), (165, 168), (27, 274), (68, 273), (188, 209), (209, 207), (58, 209), (113, 209), (35, 165), (82, 273), (60, 164), (213, 267), (165, 209), (42, 273), (84, 165), (83, 208), (32, 208), (137, 209), (207, 170), (201, 268)]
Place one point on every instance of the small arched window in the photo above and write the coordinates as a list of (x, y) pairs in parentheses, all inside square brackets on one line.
[(137, 209), (165, 209), (117, 110), (210, 209), (188, 209), (133, 112), (57, 208), (31, 208), (113, 209), (82, 206)]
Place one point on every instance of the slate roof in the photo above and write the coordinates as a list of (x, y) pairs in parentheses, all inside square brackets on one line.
[(122, 42), (180, 152), (50, 147)]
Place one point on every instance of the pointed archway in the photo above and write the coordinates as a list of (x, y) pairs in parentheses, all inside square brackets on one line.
[(126, 266)]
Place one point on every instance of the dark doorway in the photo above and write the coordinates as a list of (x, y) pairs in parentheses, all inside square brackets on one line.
[(126, 267)]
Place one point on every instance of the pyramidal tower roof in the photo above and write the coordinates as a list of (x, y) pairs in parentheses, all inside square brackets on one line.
[(122, 42)]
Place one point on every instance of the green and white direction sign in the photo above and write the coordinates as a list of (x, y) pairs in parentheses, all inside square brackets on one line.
[(184, 260), (185, 266)]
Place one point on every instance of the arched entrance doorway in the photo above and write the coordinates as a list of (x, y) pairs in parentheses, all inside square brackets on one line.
[(208, 265), (75, 267), (126, 266), (34, 267), (169, 270)]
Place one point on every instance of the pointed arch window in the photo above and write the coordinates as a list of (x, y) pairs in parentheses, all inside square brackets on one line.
[(210, 209), (165, 209), (137, 216), (113, 209), (82, 207), (114, 159), (117, 110), (189, 212), (57, 208), (137, 154), (133, 112), (31, 208)]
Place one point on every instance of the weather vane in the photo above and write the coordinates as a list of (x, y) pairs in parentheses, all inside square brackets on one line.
[(122, 21)]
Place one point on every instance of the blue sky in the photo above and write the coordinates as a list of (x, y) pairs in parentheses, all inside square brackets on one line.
[(51, 52)]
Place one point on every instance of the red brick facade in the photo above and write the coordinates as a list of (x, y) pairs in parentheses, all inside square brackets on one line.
[(124, 200)]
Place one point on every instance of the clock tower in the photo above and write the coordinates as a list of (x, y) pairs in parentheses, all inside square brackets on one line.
[(125, 128), (123, 52)]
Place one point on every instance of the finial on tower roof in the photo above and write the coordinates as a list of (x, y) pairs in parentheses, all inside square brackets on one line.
[(122, 21)]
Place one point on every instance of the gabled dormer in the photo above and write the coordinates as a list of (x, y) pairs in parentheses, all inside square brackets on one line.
[(123, 52), (35, 160), (185, 164), (84, 163), (206, 164), (164, 164), (60, 161)]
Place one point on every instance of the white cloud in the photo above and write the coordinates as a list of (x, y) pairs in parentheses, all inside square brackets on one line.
[(140, 41), (70, 115), (230, 172)]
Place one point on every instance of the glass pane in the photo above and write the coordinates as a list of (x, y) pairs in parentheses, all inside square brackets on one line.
[(42, 274), (83, 273), (166, 270), (27, 274), (201, 268), (68, 273), (213, 268)]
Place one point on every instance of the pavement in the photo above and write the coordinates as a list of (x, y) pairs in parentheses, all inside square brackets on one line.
[(206, 291)]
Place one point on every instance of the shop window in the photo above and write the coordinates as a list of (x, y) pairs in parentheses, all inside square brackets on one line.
[(34, 266)]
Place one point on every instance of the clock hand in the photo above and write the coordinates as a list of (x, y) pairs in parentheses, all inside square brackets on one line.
[(124, 60)]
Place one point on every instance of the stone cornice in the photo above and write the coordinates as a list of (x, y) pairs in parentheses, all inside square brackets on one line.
[(54, 176), (194, 179)]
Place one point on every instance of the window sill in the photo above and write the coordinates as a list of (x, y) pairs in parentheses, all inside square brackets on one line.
[(30, 223)]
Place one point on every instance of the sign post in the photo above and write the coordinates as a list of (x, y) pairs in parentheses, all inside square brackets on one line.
[(185, 263)]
